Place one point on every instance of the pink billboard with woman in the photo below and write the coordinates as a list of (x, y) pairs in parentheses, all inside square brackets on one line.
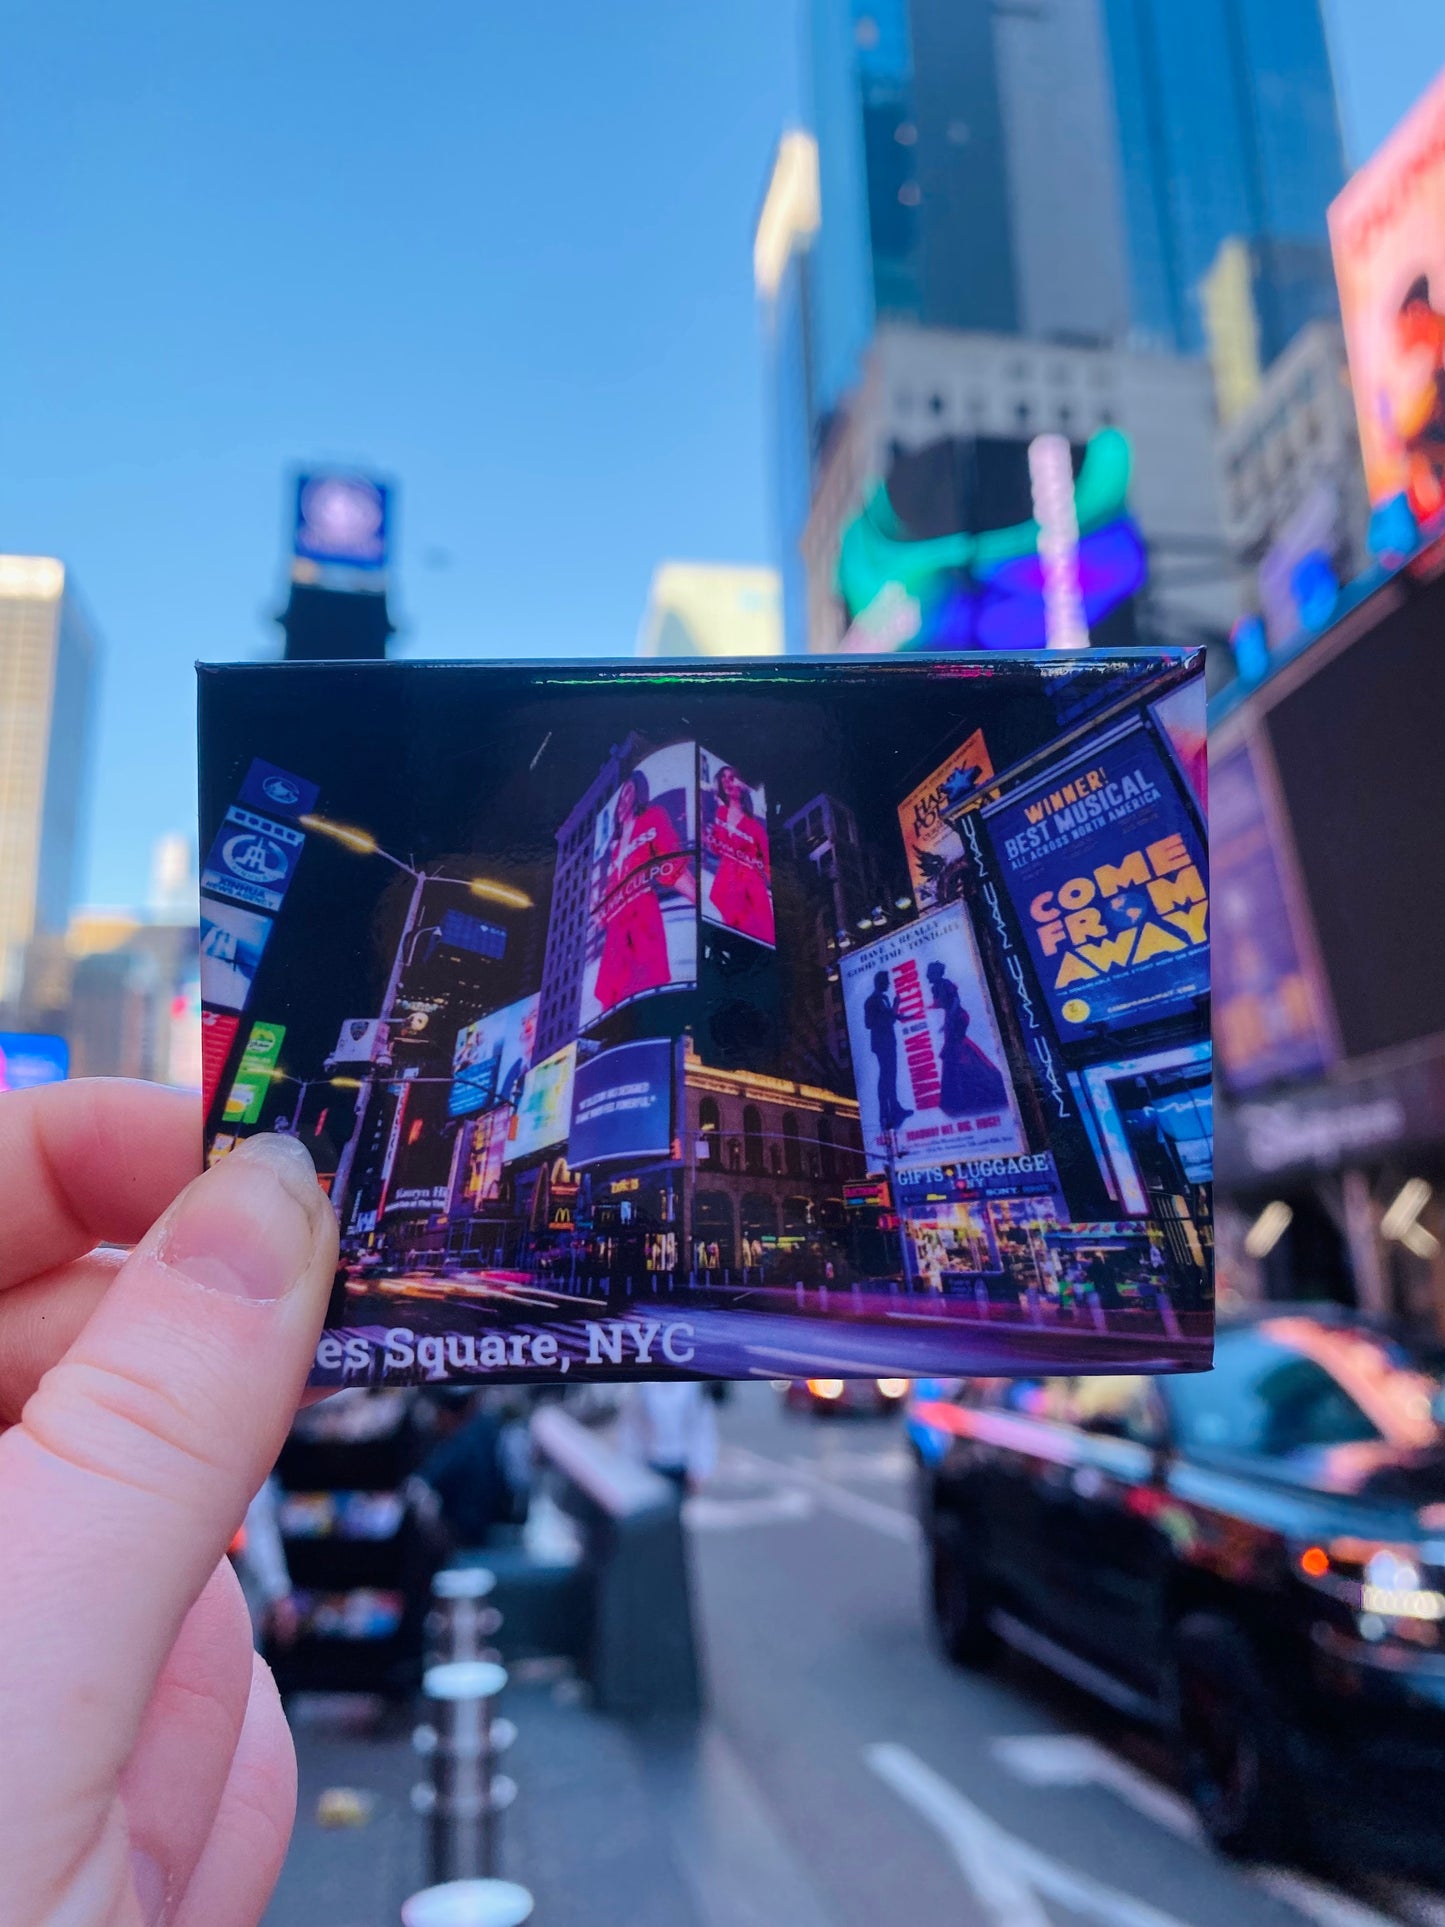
[(642, 935), (737, 866)]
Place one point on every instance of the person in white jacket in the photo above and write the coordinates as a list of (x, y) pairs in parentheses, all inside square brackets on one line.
[(671, 1426)]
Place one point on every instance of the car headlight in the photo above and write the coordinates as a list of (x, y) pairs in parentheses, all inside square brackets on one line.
[(826, 1388), (893, 1387)]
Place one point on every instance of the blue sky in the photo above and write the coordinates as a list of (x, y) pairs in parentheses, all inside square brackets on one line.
[(499, 252)]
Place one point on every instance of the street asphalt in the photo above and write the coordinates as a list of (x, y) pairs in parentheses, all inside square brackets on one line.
[(846, 1776)]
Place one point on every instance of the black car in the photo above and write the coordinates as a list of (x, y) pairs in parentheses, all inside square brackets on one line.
[(1252, 1557)]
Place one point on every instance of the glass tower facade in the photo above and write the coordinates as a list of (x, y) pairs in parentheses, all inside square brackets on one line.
[(916, 226), (1227, 128), (1006, 168)]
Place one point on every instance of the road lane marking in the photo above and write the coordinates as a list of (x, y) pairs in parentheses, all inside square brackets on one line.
[(837, 1498), (1073, 1760), (1327, 1906), (1011, 1879), (706, 1513)]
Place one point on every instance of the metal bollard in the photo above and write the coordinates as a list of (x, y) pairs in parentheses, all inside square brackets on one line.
[(468, 1903), (463, 1623), (463, 1798)]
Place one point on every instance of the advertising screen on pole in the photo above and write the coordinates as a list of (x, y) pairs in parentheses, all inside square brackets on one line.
[(685, 1099), (492, 1056), (1269, 1005), (737, 865), (622, 1104), (1387, 228), (1104, 865), (932, 844), (932, 1081), (642, 916), (341, 520)]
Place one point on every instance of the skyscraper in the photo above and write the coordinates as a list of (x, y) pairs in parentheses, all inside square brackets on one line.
[(968, 174), (1066, 170), (47, 670), (1060, 172), (1227, 128)]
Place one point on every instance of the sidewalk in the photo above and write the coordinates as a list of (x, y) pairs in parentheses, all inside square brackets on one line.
[(612, 1827)]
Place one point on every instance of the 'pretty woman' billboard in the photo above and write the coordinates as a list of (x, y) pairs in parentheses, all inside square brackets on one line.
[(932, 1081)]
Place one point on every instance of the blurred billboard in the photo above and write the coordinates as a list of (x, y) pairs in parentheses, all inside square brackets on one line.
[(1269, 1017), (712, 609), (28, 1058), (341, 520), (1387, 229)]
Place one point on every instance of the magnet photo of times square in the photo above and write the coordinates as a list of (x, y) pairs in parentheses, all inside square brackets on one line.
[(726, 1021)]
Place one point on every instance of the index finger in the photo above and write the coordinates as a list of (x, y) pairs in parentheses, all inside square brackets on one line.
[(96, 1161)]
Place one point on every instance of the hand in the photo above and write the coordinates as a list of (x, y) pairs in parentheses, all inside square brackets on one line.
[(147, 1771)]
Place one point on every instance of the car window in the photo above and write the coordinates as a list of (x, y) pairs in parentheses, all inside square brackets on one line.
[(1266, 1398), (1124, 1408)]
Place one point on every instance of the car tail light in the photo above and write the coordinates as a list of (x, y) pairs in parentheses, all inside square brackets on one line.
[(1381, 1583)]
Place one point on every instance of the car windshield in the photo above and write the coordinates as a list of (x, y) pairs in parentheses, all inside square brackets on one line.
[(1292, 1385)]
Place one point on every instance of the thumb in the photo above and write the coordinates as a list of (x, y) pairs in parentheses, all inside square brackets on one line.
[(134, 1461)]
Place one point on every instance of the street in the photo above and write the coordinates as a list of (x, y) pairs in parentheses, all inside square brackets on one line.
[(902, 1788), (846, 1776)]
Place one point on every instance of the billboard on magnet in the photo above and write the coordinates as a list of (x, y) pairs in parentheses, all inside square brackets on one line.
[(1104, 866), (642, 909), (492, 1056), (622, 1104), (932, 1080), (544, 1108), (933, 846), (1156, 1118), (253, 1075), (276, 792), (252, 859), (737, 865), (232, 943), (218, 1033)]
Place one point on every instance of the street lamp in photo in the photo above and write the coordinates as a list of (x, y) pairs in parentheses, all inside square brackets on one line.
[(488, 889)]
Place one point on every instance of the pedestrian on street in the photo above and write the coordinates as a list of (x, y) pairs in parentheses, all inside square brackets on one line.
[(148, 1770), (670, 1426)]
